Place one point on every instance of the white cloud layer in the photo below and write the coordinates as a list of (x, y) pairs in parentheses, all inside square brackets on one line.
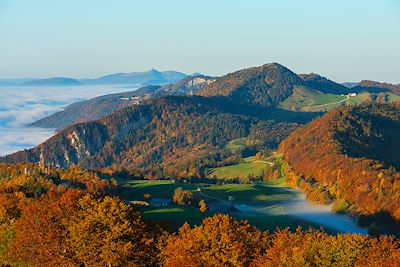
[(20, 106)]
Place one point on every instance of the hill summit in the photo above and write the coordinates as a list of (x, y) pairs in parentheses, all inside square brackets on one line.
[(264, 86)]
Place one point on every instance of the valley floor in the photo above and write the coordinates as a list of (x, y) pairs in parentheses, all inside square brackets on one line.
[(267, 205)]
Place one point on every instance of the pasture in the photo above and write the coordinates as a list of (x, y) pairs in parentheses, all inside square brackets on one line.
[(250, 167), (260, 194)]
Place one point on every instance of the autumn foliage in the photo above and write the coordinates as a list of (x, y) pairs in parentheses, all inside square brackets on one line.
[(351, 156), (45, 221), (222, 241), (57, 225), (171, 137)]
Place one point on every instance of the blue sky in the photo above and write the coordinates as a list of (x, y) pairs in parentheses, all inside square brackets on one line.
[(344, 40)]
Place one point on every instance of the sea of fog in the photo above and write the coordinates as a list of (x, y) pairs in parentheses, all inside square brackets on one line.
[(20, 106)]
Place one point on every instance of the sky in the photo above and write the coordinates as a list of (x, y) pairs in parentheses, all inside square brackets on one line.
[(341, 39)]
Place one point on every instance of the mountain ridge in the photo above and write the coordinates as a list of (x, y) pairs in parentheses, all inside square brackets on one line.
[(145, 78), (56, 81), (151, 77), (99, 107), (368, 85)]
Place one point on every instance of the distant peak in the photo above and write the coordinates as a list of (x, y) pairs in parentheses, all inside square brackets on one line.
[(275, 66), (154, 71)]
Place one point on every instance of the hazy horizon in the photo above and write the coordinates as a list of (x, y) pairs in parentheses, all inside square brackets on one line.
[(346, 41), (19, 108)]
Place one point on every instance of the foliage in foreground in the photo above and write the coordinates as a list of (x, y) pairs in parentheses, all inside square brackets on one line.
[(47, 223), (222, 241)]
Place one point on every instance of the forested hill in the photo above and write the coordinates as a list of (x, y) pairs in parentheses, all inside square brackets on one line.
[(170, 136), (351, 155), (264, 86), (371, 86), (268, 85), (93, 109)]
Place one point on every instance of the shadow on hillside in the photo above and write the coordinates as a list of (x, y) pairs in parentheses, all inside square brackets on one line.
[(380, 223), (276, 114)]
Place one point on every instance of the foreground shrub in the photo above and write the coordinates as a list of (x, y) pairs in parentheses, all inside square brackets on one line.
[(220, 241)]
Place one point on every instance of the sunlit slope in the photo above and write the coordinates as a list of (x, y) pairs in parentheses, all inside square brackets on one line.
[(350, 155), (307, 99)]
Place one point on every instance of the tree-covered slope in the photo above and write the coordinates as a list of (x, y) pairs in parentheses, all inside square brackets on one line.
[(265, 86), (323, 84), (351, 155), (270, 85), (374, 87), (165, 136), (93, 109)]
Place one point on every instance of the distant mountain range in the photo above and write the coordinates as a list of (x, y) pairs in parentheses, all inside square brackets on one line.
[(57, 81), (152, 77), (268, 86), (155, 128)]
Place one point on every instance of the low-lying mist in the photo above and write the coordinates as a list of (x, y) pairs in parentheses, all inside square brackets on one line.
[(20, 106)]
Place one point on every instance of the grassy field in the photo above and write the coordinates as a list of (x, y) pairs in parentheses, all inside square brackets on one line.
[(253, 193), (236, 145), (256, 194), (174, 216), (359, 99), (134, 190), (393, 98), (309, 100), (251, 166)]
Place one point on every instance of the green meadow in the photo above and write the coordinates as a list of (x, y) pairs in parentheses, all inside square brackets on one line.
[(309, 100), (250, 167), (236, 145), (254, 194)]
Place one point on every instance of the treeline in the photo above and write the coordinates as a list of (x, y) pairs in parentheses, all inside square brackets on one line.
[(372, 86), (350, 155), (63, 225)]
